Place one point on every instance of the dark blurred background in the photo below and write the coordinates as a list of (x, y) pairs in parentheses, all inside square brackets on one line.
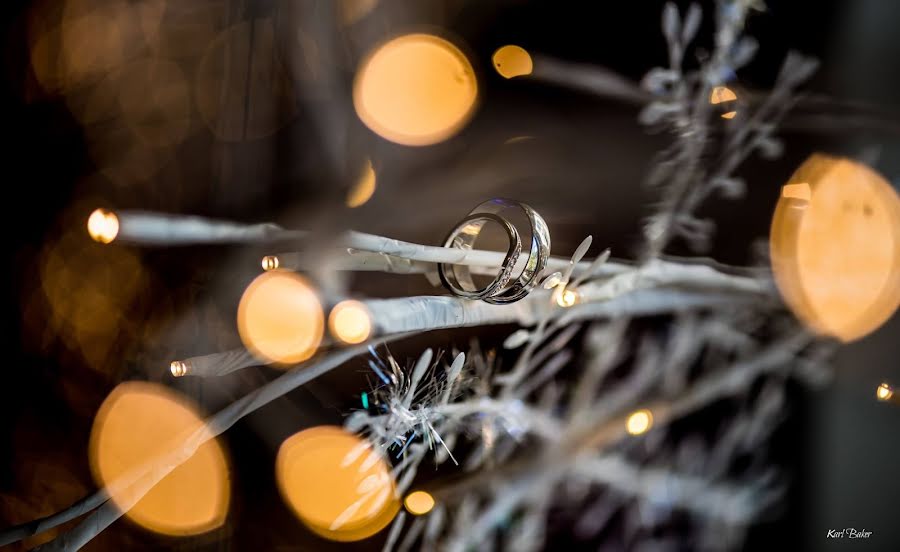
[(147, 116)]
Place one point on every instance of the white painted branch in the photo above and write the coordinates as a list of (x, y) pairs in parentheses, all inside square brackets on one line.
[(735, 505), (426, 313), (149, 228)]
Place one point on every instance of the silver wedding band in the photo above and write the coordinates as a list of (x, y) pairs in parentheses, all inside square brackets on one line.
[(505, 288)]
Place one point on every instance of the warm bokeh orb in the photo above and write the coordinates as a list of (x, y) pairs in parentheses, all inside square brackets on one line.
[(141, 420), (364, 188), (726, 99), (415, 90), (350, 322), (337, 485), (418, 503), (103, 226), (280, 318), (512, 61), (835, 247), (639, 422)]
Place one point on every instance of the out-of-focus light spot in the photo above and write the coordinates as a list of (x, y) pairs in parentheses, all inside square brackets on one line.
[(512, 61), (178, 368), (836, 258), (415, 90), (723, 95), (337, 485), (270, 262), (884, 392), (350, 322), (796, 191), (567, 298), (364, 188), (103, 226), (280, 318), (639, 422), (139, 421), (418, 503)]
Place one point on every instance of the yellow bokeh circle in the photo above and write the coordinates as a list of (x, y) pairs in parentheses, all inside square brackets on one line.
[(336, 484), (139, 421), (280, 318), (415, 90), (835, 247), (512, 61)]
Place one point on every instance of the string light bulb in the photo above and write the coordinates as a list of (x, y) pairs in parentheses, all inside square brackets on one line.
[(567, 298), (350, 322), (178, 368), (639, 422), (884, 392), (103, 226), (418, 503), (270, 262)]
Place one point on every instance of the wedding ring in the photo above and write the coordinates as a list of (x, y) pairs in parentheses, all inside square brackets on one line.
[(500, 291), (463, 236)]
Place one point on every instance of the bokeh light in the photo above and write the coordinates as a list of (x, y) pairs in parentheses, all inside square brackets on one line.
[(835, 247), (512, 61), (567, 298), (280, 318), (350, 322), (726, 99), (639, 422), (103, 226), (362, 191), (415, 90), (139, 421), (337, 485), (884, 392), (418, 503)]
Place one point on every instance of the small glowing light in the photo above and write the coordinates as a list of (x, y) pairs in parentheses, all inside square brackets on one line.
[(723, 95), (336, 483), (415, 90), (639, 422), (884, 392), (270, 262), (350, 322), (567, 298), (512, 61), (103, 226), (139, 421), (178, 368), (280, 318), (835, 247), (364, 188), (418, 503)]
